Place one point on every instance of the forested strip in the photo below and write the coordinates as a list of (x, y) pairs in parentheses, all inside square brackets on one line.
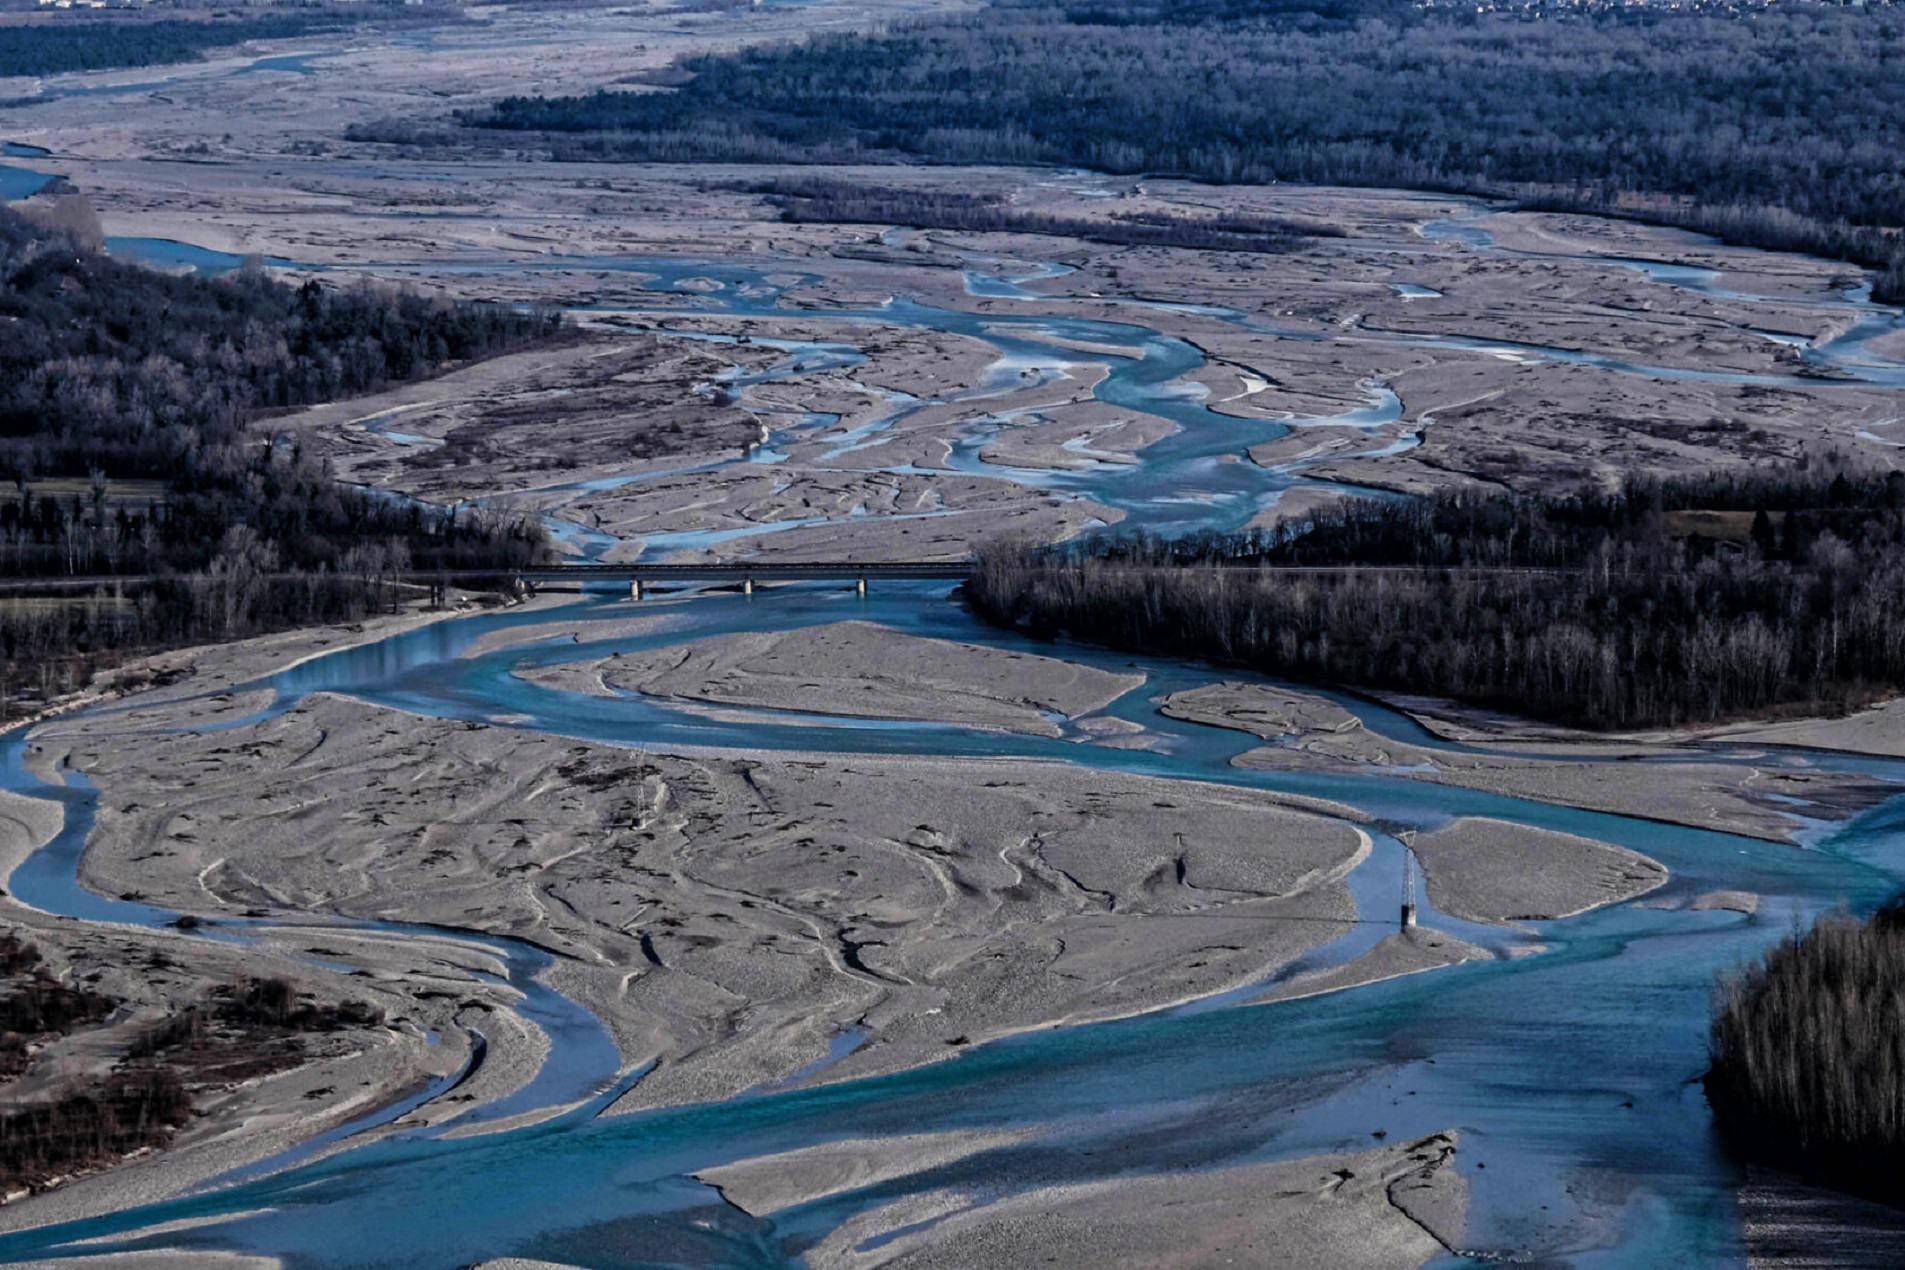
[(1808, 1048), (843, 202), (109, 367), (1713, 117), (129, 402), (1601, 610), (116, 379)]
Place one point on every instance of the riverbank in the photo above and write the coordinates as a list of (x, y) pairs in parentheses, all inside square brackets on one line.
[(784, 916), (863, 917), (1535, 350), (864, 871), (867, 941), (158, 973)]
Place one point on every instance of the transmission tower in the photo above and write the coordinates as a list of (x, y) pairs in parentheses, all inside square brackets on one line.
[(1408, 840)]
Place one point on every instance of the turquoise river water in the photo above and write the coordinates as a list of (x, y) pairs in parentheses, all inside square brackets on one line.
[(1570, 1071)]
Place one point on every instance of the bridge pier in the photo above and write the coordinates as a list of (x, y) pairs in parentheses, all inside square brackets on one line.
[(747, 586), (860, 587), (634, 588)]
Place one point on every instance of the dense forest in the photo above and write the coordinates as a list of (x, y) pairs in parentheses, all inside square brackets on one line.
[(111, 372), (1778, 126), (1665, 603), (1808, 1047), (128, 435)]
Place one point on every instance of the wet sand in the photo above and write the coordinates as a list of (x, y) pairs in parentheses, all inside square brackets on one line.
[(1879, 731), (340, 1077), (1391, 1207), (1314, 337), (861, 669), (931, 902), (767, 1184), (1492, 871), (1409, 951), (1629, 778), (749, 920)]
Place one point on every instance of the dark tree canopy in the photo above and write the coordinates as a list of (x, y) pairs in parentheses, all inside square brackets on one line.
[(56, 48), (129, 444), (66, 44), (1656, 605), (1782, 125), (1808, 1048), (110, 371)]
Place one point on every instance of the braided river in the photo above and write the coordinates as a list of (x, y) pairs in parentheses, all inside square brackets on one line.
[(1569, 1064)]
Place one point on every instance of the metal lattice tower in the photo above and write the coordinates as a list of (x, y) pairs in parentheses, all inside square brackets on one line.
[(1408, 840)]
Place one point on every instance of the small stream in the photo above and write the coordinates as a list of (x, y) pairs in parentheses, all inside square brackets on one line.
[(21, 182), (1196, 478), (583, 1061)]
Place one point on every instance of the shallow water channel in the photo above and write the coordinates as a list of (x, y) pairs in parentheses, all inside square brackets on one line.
[(1567, 1069), (1569, 1064), (1196, 478)]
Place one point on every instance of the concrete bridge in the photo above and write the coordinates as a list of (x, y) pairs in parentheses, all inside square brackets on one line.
[(747, 573), (742, 572)]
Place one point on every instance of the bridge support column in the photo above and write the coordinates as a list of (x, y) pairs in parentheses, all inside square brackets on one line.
[(747, 586), (634, 588), (860, 587)]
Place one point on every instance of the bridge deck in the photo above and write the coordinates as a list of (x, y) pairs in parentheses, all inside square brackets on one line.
[(760, 571), (742, 572)]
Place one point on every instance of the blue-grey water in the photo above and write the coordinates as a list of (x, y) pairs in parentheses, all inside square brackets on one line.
[(1570, 1071), (17, 181)]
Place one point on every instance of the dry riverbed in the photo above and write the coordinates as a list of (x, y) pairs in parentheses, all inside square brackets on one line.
[(1316, 337), (859, 668), (732, 916), (1651, 780), (739, 918), (1389, 1207), (932, 902)]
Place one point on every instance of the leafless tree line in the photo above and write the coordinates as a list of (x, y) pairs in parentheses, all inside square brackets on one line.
[(845, 202), (1776, 125), (1592, 610), (1808, 1055)]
